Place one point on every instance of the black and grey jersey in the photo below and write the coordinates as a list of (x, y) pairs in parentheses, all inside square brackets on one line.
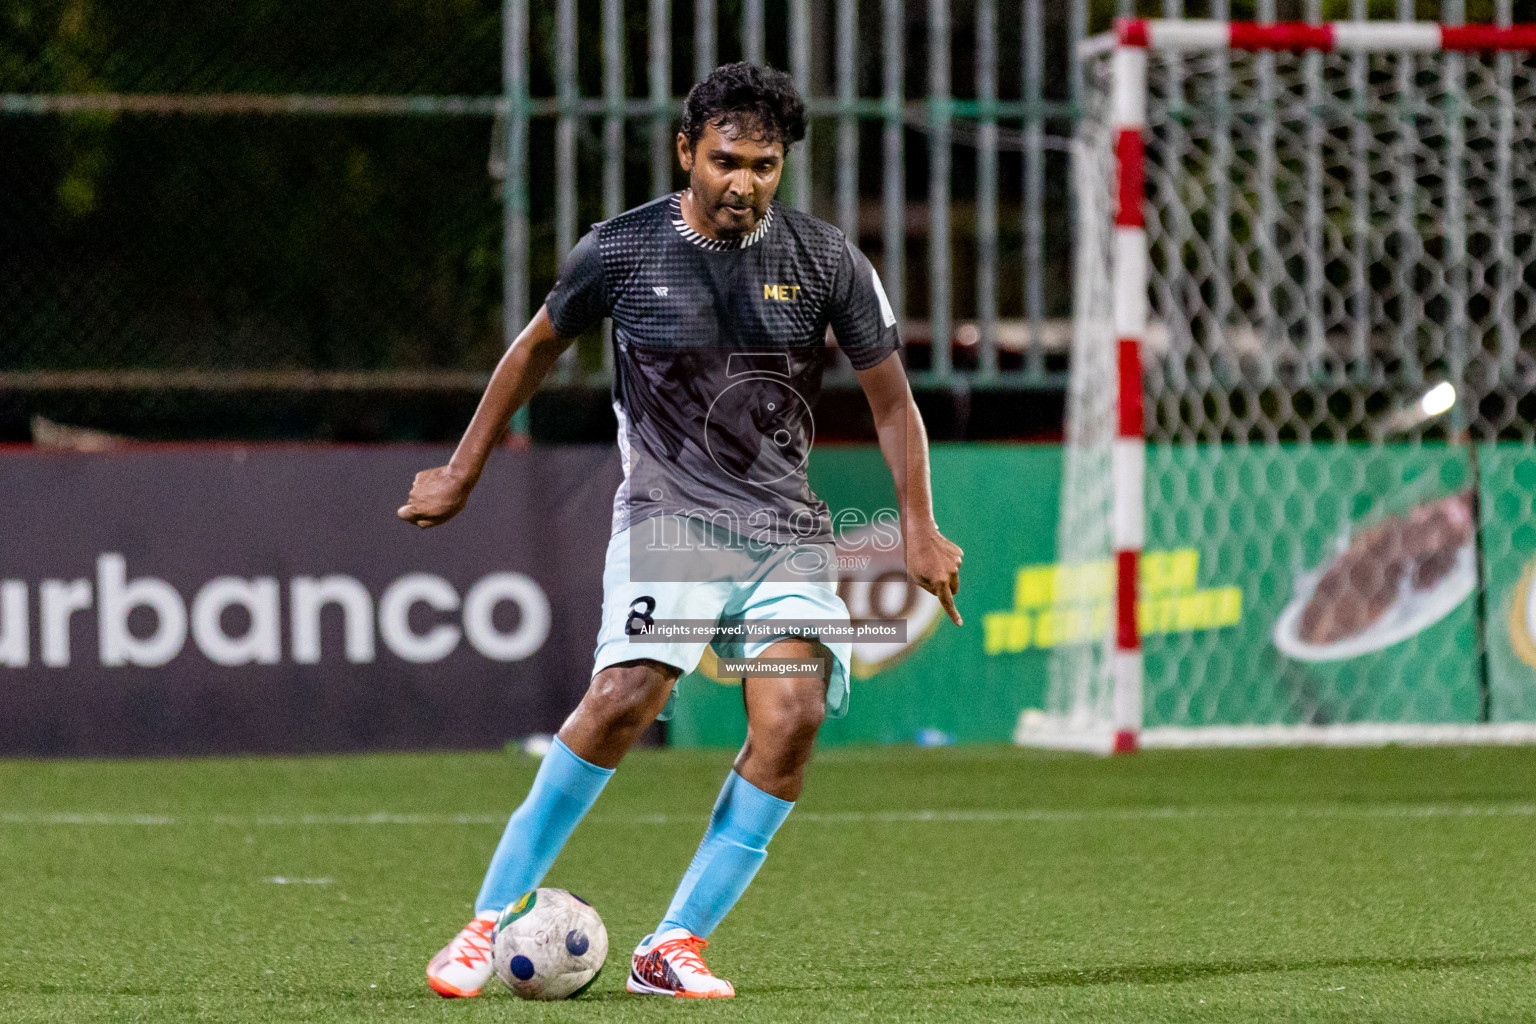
[(718, 351)]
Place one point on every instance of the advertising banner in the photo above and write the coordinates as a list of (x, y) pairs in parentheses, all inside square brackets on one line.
[(1356, 567), (1279, 585), (942, 683), (215, 600), (219, 600), (1507, 488)]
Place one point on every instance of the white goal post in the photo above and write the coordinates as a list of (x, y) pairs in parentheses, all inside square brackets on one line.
[(1302, 383)]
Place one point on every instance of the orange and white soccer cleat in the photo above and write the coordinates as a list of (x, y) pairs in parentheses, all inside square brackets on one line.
[(668, 964), (462, 967)]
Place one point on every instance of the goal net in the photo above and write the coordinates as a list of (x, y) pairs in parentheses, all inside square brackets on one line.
[(1297, 503)]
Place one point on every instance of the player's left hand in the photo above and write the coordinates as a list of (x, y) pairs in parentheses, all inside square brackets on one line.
[(437, 495), (933, 562)]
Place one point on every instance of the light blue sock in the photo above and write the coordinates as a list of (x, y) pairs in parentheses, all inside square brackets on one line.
[(563, 791), (734, 847)]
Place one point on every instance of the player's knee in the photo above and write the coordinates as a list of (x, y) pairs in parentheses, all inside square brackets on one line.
[(791, 728), (627, 697)]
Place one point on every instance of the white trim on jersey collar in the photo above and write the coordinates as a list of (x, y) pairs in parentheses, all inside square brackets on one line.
[(717, 244)]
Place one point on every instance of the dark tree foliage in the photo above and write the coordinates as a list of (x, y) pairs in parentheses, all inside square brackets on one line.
[(175, 240)]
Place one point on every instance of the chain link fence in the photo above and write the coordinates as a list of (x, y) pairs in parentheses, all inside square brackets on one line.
[(267, 219), (221, 221), (270, 219)]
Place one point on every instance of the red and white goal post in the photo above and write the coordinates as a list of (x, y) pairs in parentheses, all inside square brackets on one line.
[(1304, 358)]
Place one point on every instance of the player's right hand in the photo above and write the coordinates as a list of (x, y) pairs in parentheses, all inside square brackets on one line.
[(437, 495), (933, 563)]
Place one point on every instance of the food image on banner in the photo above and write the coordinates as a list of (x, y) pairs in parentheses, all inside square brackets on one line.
[(1383, 584), (1507, 504), (1522, 617), (1357, 567)]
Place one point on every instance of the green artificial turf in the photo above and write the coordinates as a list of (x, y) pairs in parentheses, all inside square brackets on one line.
[(910, 885)]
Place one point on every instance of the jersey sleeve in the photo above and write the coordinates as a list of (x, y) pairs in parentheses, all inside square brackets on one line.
[(860, 314), (579, 299)]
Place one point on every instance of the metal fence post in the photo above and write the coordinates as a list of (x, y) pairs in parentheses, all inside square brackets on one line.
[(847, 123), (565, 151), (938, 186), (659, 73), (986, 185), (800, 71), (752, 44), (704, 48), (1312, 216), (1034, 186), (1359, 193), (893, 140), (613, 133), (1504, 248), (565, 128), (1454, 12), (514, 250)]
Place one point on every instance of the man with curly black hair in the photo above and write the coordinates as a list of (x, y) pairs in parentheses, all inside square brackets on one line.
[(720, 300)]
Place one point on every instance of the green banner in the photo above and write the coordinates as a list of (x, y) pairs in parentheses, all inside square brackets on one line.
[(1279, 585), (1507, 478), (1357, 568), (1284, 585), (999, 503)]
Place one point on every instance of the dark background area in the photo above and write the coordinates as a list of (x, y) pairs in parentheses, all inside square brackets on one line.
[(166, 241)]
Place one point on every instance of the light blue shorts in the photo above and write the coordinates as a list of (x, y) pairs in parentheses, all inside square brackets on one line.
[(671, 567)]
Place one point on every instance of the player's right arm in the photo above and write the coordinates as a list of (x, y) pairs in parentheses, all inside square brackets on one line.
[(578, 302), (865, 325), (437, 495)]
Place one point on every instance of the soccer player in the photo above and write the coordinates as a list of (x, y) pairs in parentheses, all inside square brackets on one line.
[(720, 300)]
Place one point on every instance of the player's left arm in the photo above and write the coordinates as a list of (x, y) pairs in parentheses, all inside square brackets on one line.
[(933, 560), (861, 317)]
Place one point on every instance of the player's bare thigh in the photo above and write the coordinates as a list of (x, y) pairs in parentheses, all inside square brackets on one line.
[(621, 702), (783, 718)]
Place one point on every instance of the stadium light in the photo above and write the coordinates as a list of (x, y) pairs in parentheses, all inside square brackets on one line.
[(1438, 399)]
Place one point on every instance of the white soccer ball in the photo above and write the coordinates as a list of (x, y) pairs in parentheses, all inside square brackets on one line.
[(549, 945)]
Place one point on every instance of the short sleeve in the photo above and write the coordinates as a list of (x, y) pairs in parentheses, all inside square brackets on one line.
[(579, 299), (860, 314)]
